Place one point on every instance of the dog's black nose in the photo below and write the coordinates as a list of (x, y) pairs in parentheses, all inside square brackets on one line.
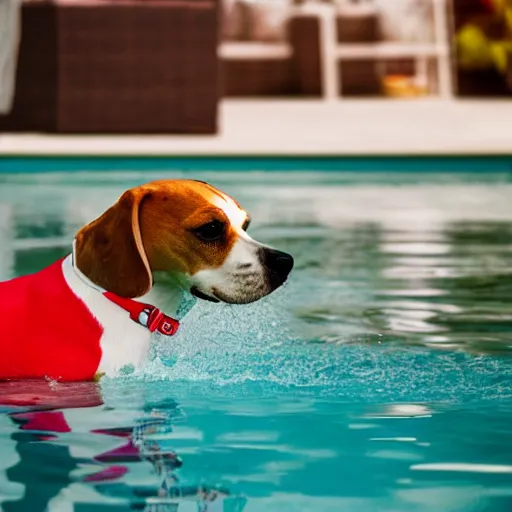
[(279, 265)]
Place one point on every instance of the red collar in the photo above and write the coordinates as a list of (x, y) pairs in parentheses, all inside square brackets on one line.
[(146, 315)]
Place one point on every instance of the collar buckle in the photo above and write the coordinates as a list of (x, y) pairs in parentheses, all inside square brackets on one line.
[(146, 315), (161, 323)]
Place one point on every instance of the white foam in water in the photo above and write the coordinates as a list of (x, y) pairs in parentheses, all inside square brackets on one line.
[(215, 339), (226, 345)]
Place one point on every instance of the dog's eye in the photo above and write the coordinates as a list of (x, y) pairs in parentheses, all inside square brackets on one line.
[(210, 232)]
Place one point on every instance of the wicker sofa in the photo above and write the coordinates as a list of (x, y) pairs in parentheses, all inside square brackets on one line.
[(117, 66)]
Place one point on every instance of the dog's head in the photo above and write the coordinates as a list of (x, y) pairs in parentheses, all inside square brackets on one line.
[(187, 229)]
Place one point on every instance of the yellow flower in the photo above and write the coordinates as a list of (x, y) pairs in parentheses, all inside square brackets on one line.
[(473, 48)]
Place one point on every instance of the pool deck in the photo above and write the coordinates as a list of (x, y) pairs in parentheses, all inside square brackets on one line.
[(308, 128)]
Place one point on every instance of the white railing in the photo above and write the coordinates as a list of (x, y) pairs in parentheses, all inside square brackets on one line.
[(332, 51)]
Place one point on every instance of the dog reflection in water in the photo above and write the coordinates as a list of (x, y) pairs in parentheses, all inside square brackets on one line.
[(42, 413)]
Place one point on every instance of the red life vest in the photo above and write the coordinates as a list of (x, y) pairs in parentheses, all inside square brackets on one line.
[(46, 330)]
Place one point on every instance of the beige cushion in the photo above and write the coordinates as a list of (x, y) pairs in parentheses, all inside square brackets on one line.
[(406, 20), (255, 20), (269, 20)]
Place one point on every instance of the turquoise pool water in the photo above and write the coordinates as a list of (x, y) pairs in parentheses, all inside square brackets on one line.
[(378, 379)]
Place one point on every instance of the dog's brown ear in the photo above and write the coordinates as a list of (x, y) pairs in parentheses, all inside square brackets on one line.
[(110, 251)]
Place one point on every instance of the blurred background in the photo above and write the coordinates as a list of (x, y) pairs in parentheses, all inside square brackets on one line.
[(167, 66)]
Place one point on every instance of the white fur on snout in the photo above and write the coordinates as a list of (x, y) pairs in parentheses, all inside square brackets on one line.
[(240, 279)]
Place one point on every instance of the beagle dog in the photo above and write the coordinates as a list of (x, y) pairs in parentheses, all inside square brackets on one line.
[(77, 319)]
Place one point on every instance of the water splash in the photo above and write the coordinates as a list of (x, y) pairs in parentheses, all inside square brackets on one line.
[(225, 346)]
